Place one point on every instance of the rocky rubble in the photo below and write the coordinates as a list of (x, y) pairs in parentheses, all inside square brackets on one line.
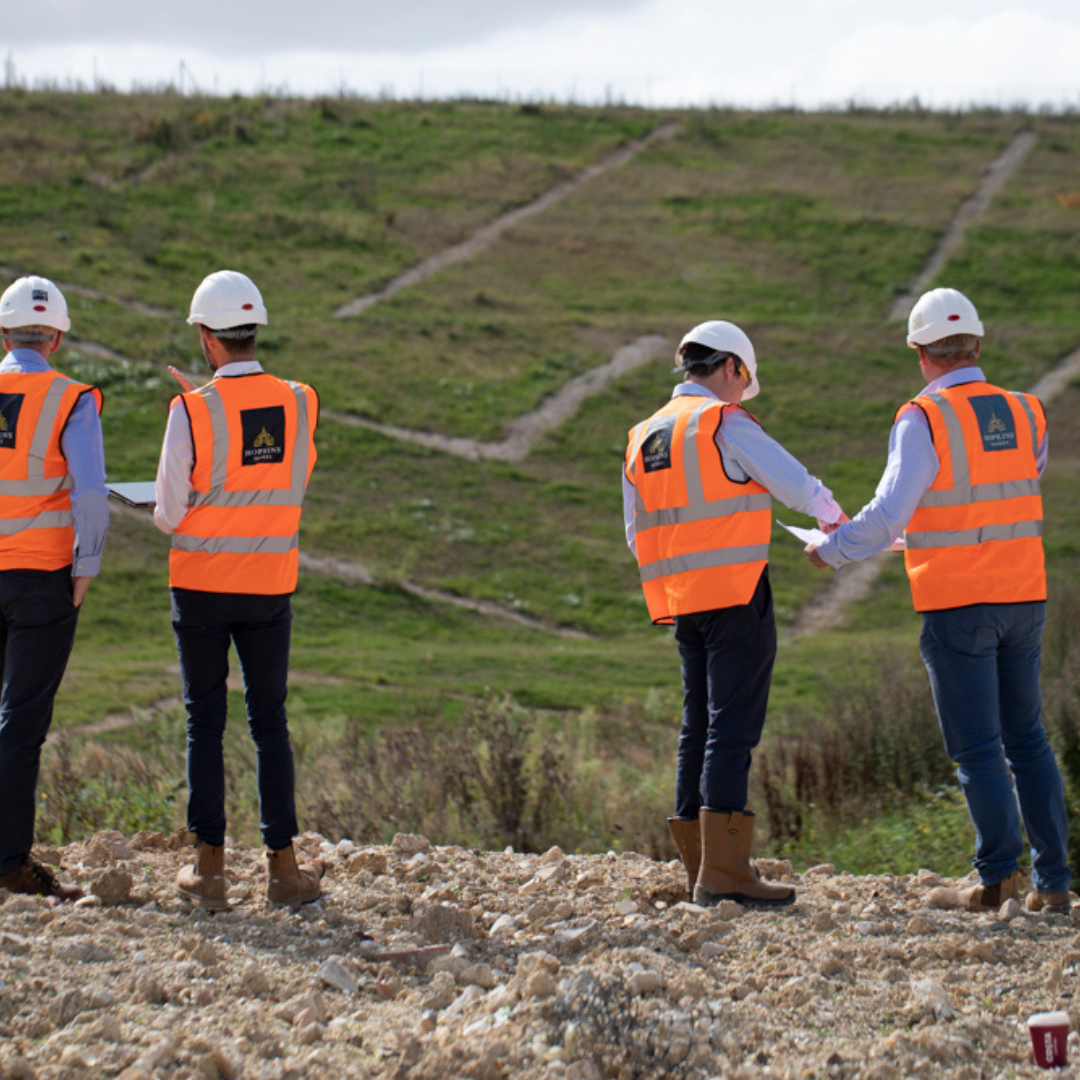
[(427, 962)]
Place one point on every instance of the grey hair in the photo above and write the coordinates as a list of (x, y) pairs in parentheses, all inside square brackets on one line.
[(956, 348), (30, 335)]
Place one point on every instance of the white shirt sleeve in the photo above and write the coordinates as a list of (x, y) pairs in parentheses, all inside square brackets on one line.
[(746, 449), (910, 469), (629, 512), (173, 483)]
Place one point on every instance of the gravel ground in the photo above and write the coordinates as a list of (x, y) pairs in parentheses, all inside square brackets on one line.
[(433, 963)]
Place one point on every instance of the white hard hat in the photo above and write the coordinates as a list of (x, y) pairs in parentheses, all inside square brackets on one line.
[(941, 313), (726, 337), (34, 301), (226, 299)]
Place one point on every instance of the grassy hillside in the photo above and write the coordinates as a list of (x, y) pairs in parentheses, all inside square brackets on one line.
[(802, 228)]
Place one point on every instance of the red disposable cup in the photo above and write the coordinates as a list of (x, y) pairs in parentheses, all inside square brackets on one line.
[(1049, 1031)]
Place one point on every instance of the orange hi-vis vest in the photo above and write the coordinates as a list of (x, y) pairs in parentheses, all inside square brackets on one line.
[(702, 539), (254, 451), (37, 529), (976, 536)]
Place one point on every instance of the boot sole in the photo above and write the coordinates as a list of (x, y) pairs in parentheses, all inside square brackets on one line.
[(294, 901), (706, 899), (206, 903)]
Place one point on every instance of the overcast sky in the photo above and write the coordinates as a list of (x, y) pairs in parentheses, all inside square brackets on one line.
[(808, 53)]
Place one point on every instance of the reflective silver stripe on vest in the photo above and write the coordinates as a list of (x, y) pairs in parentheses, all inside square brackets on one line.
[(293, 495), (37, 484), (1031, 420), (704, 560), (681, 515), (695, 489), (53, 519), (39, 445), (1017, 530), (1007, 489), (23, 488), (237, 545), (962, 492)]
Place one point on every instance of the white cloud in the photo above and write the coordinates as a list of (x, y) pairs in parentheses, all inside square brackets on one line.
[(660, 52)]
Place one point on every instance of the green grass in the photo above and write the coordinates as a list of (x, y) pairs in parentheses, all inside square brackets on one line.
[(802, 228)]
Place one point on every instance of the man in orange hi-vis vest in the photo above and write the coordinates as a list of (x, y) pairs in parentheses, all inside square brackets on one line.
[(235, 463), (54, 517), (962, 475), (698, 482)]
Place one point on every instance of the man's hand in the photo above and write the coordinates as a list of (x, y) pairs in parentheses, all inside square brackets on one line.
[(79, 588), (815, 559), (182, 379), (831, 526)]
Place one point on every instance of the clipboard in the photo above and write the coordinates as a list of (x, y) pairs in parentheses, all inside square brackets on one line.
[(135, 493)]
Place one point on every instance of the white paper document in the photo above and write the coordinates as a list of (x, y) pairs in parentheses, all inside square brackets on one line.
[(807, 536), (815, 536)]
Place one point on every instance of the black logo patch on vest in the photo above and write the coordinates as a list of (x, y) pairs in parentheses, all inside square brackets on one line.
[(656, 447), (10, 406), (996, 424), (264, 435)]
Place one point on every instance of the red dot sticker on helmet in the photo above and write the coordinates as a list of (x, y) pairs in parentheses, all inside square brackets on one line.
[(248, 307), (954, 318), (40, 307)]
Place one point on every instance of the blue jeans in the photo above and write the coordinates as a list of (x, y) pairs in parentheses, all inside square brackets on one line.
[(984, 663), (727, 661), (260, 626), (37, 629)]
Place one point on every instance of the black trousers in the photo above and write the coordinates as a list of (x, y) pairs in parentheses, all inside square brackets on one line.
[(37, 629), (727, 661), (205, 623)]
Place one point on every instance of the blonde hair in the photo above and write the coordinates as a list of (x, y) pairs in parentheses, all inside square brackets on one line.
[(954, 349)]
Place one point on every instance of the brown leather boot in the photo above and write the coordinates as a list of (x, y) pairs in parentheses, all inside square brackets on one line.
[(34, 879), (289, 885), (977, 897), (204, 883), (726, 870), (1053, 903), (686, 832)]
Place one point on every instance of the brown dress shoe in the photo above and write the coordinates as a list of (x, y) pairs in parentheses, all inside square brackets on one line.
[(34, 879), (289, 884), (978, 897)]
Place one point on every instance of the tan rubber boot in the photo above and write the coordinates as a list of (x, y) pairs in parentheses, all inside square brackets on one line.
[(290, 885), (977, 897), (204, 883), (1053, 903), (686, 832), (726, 870)]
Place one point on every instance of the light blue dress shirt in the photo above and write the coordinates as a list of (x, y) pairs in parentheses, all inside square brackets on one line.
[(84, 450), (749, 453), (910, 469)]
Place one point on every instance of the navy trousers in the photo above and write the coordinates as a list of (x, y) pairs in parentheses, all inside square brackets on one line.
[(37, 629), (727, 661), (260, 627)]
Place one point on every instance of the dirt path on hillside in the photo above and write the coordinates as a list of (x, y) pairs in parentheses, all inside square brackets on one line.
[(994, 179), (523, 433), (486, 236), (69, 288), (356, 573), (852, 583)]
